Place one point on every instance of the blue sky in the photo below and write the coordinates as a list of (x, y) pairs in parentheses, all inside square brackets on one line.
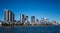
[(37, 8)]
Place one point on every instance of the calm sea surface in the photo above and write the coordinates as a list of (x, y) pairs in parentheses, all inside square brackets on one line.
[(30, 29)]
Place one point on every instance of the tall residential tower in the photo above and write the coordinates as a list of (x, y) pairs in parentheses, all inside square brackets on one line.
[(32, 18), (8, 16), (22, 18)]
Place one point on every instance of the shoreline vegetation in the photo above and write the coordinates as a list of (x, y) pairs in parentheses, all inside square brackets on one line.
[(28, 25)]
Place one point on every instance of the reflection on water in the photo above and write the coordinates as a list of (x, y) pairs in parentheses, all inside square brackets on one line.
[(30, 29)]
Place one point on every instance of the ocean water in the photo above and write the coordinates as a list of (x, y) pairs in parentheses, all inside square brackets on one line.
[(30, 29)]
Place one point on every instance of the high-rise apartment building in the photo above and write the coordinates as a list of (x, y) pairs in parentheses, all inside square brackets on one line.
[(22, 18), (26, 19), (8, 16), (32, 18)]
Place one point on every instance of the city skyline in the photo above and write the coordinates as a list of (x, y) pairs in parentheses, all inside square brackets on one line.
[(9, 16), (38, 8)]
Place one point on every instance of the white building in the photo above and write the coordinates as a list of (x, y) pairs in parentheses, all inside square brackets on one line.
[(44, 20)]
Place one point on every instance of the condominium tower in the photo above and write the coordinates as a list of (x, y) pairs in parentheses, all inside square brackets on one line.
[(8, 16)]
